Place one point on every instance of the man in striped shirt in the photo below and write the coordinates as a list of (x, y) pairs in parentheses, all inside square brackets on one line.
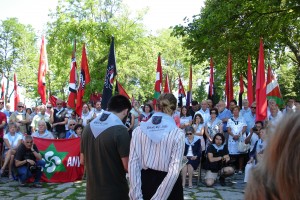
[(156, 153)]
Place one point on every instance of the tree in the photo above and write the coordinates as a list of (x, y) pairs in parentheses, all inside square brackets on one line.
[(18, 53), (236, 26)]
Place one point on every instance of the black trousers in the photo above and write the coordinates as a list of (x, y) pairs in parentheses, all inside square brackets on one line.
[(151, 179)]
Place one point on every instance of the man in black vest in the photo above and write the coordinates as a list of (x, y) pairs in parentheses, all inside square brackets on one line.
[(59, 119)]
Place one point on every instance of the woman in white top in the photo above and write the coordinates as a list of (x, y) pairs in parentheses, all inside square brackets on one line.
[(185, 119), (12, 140), (213, 126), (199, 127), (236, 127), (156, 153)]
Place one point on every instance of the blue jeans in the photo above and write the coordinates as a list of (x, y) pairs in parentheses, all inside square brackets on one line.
[(24, 173)]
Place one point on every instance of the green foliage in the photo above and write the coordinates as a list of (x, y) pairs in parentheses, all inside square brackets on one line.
[(18, 54), (236, 26)]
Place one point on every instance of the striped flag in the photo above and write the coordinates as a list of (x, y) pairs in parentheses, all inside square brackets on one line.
[(229, 81), (158, 81), (167, 85), (273, 90), (181, 92), (189, 93)]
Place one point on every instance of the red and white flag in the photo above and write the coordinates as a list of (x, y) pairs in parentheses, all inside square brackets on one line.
[(73, 79), (167, 85)]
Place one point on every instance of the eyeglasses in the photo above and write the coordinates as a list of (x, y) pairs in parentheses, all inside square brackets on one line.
[(1, 102), (49, 107), (58, 104), (72, 124), (189, 134), (253, 107), (20, 106)]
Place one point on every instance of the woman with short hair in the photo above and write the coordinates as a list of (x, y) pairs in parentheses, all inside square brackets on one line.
[(12, 140), (192, 153)]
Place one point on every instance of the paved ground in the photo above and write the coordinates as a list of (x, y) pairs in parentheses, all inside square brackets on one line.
[(76, 190)]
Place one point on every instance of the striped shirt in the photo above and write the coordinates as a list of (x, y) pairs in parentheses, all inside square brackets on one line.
[(163, 156)]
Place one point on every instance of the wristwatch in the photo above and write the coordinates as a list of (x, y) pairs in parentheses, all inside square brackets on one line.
[(33, 151)]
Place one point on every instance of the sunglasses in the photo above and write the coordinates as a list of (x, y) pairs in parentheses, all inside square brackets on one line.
[(189, 134), (1, 102), (72, 124), (49, 107), (59, 104), (253, 107), (20, 106)]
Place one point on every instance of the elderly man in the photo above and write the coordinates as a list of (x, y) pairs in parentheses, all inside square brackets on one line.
[(59, 119), (42, 131), (41, 116), (86, 115), (245, 108), (250, 117), (204, 111), (224, 115), (290, 107), (20, 117), (272, 102), (28, 162)]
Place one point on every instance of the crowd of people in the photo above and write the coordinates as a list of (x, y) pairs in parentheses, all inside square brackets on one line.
[(159, 145)]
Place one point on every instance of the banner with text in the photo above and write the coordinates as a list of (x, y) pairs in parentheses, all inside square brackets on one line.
[(62, 157)]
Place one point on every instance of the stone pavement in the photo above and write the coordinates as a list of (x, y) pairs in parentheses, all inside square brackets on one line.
[(76, 190)]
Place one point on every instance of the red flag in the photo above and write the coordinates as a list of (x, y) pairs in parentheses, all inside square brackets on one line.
[(16, 93), (250, 82), (2, 89), (52, 100), (167, 85), (73, 79), (211, 80), (181, 92), (189, 93), (121, 90), (158, 81), (241, 91), (84, 79), (273, 90), (43, 68), (229, 81), (62, 159), (261, 95)]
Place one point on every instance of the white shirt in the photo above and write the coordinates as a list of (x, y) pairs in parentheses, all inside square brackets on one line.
[(46, 135), (163, 156), (205, 114), (13, 140)]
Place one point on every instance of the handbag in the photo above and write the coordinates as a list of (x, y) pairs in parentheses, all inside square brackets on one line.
[(242, 147)]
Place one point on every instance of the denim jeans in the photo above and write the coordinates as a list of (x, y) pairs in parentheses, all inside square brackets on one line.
[(24, 173)]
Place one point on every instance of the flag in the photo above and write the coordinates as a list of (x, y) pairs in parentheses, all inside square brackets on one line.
[(62, 159), (211, 80), (43, 68), (250, 82), (181, 92), (261, 95), (84, 79), (2, 89), (189, 93), (16, 93), (167, 85), (241, 92), (73, 79), (111, 72), (158, 81), (120, 90), (52, 100), (229, 81), (273, 90)]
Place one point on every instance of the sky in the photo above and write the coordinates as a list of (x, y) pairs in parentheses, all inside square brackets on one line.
[(161, 13)]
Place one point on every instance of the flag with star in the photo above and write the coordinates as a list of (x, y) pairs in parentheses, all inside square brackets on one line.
[(62, 159)]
